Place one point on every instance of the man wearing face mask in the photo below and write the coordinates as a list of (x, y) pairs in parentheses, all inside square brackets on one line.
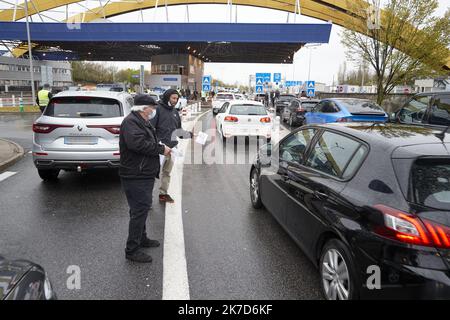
[(139, 167), (168, 126)]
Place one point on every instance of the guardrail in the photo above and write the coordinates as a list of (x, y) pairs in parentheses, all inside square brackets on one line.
[(190, 110), (16, 101)]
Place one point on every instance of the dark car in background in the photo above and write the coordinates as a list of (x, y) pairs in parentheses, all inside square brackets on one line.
[(260, 97), (24, 280), (294, 114), (284, 100), (425, 108), (369, 204)]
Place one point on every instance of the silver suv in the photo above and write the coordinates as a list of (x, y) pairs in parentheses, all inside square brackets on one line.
[(78, 131)]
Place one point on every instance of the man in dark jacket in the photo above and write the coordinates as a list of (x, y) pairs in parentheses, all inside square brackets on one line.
[(139, 166), (168, 127)]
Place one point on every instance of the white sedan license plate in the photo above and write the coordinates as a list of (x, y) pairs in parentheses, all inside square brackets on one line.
[(80, 140)]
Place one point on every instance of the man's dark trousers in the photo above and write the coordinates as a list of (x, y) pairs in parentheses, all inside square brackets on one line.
[(139, 196)]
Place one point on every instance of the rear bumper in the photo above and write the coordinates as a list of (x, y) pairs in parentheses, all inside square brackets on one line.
[(405, 271), (236, 132), (73, 165), (417, 284), (71, 160)]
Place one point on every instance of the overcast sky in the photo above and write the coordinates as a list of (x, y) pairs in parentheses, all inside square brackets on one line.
[(325, 59)]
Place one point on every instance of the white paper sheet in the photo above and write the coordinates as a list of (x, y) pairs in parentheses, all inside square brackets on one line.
[(201, 138)]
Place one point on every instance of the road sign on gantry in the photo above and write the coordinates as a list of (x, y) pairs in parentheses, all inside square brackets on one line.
[(259, 81), (277, 77), (310, 85), (206, 83)]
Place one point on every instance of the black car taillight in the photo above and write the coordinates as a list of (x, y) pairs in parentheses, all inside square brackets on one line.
[(408, 228), (47, 128)]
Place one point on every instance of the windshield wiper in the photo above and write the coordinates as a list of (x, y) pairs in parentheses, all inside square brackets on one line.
[(90, 114)]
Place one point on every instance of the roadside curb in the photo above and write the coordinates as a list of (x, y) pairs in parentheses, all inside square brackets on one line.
[(16, 156)]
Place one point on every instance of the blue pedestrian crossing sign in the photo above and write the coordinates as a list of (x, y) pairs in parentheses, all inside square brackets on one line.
[(277, 77), (259, 81), (206, 83), (266, 77), (311, 92), (259, 89), (310, 85)]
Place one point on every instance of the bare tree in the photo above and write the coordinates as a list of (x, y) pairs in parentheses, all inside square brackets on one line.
[(402, 42)]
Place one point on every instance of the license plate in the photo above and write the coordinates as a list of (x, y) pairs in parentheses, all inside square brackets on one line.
[(80, 140)]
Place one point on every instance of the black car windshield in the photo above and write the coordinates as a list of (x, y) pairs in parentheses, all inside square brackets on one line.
[(83, 107), (248, 110), (431, 183), (361, 106)]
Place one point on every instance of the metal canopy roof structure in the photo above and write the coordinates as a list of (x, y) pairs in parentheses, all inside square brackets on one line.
[(211, 42)]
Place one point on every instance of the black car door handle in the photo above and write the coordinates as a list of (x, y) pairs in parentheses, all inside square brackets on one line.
[(320, 195)]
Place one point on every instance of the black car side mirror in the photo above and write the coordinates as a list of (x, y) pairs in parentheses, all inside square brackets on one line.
[(393, 117)]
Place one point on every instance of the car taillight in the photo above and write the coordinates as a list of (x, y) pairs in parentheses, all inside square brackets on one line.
[(407, 228), (114, 129), (47, 128), (344, 120), (230, 119), (265, 120)]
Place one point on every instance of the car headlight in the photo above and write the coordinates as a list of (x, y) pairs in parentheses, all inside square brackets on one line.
[(48, 290)]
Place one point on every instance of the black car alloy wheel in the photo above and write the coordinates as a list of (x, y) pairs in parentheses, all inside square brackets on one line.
[(337, 272), (255, 195)]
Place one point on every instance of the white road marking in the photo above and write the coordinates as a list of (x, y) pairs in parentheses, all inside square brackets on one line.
[(30, 151), (175, 277), (5, 175)]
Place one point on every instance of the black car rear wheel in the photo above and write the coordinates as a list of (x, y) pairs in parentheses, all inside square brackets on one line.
[(337, 272), (255, 194), (48, 174)]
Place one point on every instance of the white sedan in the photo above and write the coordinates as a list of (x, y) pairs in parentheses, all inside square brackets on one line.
[(244, 118), (219, 100)]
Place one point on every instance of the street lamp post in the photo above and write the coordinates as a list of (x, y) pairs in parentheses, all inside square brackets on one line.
[(30, 55), (310, 48)]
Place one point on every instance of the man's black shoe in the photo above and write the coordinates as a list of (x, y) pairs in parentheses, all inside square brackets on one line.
[(139, 256), (148, 243)]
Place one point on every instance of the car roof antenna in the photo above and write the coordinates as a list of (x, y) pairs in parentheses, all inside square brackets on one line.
[(441, 135)]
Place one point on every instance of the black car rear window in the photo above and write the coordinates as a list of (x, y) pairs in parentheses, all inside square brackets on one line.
[(309, 105), (361, 106), (83, 107), (286, 98), (431, 183)]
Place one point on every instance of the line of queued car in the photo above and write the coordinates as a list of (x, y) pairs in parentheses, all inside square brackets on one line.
[(367, 201)]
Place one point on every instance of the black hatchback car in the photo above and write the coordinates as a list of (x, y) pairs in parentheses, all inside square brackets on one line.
[(369, 204), (282, 101), (425, 108), (294, 114), (24, 280)]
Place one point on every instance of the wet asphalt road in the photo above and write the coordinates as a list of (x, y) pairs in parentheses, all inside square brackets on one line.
[(233, 251)]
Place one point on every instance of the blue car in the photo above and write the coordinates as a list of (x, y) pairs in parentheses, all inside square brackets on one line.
[(346, 110)]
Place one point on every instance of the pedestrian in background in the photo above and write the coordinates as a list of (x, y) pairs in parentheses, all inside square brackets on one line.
[(43, 97), (166, 122), (139, 167)]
